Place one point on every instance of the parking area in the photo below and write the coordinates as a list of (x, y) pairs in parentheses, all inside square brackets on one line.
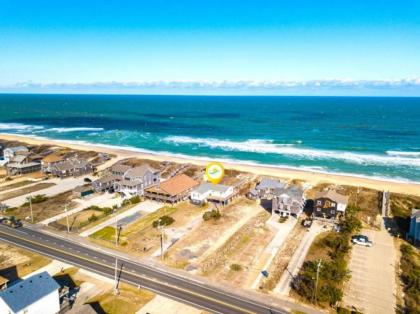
[(372, 287)]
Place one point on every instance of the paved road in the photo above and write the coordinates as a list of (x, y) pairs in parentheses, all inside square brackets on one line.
[(372, 286), (160, 281)]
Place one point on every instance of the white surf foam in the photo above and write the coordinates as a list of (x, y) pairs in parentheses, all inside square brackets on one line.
[(403, 154), (19, 127), (75, 129), (268, 147)]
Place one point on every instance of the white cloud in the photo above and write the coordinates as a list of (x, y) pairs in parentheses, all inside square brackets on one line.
[(404, 87)]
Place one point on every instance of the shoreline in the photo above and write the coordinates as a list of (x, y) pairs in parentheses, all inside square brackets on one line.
[(311, 177)]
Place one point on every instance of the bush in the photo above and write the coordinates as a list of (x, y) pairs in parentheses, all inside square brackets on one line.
[(410, 276), (235, 267), (135, 199), (37, 199), (93, 218), (212, 214), (163, 221), (283, 219)]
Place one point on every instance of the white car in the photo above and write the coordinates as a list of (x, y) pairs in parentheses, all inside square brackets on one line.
[(361, 240)]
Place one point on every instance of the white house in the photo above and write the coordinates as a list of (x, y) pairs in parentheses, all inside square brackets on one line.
[(11, 152), (216, 193), (37, 294)]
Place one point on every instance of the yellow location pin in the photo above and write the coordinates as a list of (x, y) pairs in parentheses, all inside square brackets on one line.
[(215, 172)]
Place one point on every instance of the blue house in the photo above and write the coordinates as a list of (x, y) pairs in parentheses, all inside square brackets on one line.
[(414, 233)]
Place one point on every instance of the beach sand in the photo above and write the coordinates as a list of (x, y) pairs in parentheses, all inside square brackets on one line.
[(312, 178)]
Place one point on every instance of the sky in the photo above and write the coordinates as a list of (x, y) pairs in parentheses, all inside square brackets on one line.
[(221, 47)]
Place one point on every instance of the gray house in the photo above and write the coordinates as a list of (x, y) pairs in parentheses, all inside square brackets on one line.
[(135, 180), (105, 183), (414, 233), (288, 201), (72, 168), (265, 188)]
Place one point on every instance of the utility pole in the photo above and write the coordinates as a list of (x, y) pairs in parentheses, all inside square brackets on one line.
[(67, 218), (316, 281), (161, 238), (30, 206), (116, 230), (116, 291)]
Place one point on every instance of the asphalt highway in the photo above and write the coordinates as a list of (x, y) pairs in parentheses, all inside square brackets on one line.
[(174, 286)]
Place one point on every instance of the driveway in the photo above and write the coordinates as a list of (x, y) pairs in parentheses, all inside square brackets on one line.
[(372, 286)]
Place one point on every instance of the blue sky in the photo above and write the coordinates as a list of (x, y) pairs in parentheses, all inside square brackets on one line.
[(76, 45)]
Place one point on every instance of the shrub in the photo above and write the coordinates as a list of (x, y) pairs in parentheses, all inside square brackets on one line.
[(410, 274), (135, 199), (93, 218), (37, 199), (283, 219), (235, 267), (212, 214), (163, 221)]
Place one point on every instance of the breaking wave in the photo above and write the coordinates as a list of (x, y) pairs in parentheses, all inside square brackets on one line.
[(76, 129), (269, 147)]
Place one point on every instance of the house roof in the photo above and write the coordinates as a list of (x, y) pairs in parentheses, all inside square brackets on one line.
[(52, 158), (120, 168), (22, 166), (107, 179), (19, 159), (17, 149), (24, 293), (206, 186), (71, 164), (333, 195), (176, 185), (139, 171), (267, 183)]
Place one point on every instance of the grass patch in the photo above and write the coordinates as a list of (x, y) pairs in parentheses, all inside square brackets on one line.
[(130, 300), (106, 233)]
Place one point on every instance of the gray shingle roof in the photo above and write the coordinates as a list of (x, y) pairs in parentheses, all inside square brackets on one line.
[(267, 183), (28, 291), (139, 171), (205, 186)]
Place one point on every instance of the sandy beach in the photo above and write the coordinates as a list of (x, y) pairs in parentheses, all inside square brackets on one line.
[(308, 176)]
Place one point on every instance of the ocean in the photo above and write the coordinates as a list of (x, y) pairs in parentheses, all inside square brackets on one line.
[(364, 136)]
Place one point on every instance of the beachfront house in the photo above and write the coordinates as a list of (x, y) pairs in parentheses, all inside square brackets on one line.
[(49, 161), (11, 152), (265, 188), (215, 193), (36, 294), (73, 167), (135, 180), (119, 169), (106, 183), (329, 204), (288, 201), (172, 190), (414, 232)]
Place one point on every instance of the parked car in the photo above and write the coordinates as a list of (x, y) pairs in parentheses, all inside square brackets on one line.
[(361, 240), (307, 223), (87, 180)]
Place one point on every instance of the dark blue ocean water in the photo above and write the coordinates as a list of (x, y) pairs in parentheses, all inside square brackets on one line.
[(366, 136)]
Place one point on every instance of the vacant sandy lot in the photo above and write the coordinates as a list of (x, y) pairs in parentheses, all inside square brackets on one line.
[(209, 236)]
